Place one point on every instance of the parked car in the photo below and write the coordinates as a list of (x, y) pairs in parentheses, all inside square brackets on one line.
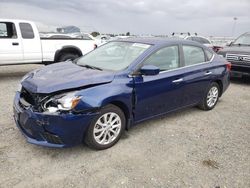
[(55, 36), (80, 35), (205, 41), (220, 42), (200, 39), (238, 53), (122, 83), (20, 43)]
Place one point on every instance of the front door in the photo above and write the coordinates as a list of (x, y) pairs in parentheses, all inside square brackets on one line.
[(160, 93)]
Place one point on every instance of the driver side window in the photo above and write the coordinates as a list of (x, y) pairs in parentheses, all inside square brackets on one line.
[(165, 59)]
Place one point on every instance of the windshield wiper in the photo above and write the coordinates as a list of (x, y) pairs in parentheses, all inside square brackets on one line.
[(90, 67)]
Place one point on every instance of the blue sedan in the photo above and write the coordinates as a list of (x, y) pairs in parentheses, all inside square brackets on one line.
[(96, 98)]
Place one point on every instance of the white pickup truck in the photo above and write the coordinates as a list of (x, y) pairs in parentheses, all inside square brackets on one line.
[(20, 43)]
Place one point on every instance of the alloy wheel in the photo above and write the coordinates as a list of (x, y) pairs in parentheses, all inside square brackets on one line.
[(212, 96), (107, 128)]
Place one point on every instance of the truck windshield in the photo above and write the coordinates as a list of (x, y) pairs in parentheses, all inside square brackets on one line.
[(243, 40), (113, 56)]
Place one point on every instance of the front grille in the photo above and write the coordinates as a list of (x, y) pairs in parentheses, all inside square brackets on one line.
[(28, 99), (239, 58), (51, 138), (27, 96)]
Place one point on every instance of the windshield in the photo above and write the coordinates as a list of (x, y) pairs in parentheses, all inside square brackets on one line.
[(113, 55), (243, 40)]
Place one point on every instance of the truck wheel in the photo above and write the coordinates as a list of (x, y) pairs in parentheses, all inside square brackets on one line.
[(106, 129), (67, 56)]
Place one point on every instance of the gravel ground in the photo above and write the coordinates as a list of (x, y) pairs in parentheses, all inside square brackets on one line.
[(189, 148)]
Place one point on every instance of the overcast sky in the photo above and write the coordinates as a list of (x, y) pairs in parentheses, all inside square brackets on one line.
[(206, 17)]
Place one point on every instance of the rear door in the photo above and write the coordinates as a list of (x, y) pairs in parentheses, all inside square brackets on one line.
[(198, 73), (31, 43), (10, 44), (160, 93)]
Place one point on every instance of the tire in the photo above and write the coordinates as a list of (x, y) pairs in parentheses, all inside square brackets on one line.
[(103, 134), (211, 97), (67, 56)]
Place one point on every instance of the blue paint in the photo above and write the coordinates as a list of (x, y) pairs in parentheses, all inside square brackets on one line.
[(141, 97)]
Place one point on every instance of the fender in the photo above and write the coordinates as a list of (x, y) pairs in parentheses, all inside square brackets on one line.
[(117, 93)]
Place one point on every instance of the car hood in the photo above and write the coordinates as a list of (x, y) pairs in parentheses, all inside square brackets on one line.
[(236, 49), (63, 76)]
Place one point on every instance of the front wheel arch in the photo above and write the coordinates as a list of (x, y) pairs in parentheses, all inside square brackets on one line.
[(90, 139), (219, 82), (125, 110)]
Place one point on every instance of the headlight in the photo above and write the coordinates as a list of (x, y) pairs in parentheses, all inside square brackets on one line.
[(68, 101), (64, 102)]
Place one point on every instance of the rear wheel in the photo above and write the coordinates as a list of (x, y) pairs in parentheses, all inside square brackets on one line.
[(106, 129), (67, 56), (211, 98)]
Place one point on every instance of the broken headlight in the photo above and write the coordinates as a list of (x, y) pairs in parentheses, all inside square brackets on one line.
[(65, 102)]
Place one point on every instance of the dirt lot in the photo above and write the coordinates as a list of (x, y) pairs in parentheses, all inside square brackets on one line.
[(189, 148)]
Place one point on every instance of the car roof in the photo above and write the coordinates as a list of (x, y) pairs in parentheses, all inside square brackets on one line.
[(15, 20), (159, 41), (196, 36)]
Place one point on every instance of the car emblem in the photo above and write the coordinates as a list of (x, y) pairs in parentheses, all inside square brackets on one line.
[(240, 58)]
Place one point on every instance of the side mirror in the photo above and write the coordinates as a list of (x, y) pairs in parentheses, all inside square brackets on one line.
[(149, 70)]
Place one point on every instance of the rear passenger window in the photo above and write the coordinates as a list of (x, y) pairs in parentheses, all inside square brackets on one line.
[(26, 31), (7, 30), (209, 54), (193, 55), (165, 59)]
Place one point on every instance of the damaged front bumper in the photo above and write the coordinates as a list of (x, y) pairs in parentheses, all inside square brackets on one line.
[(51, 130)]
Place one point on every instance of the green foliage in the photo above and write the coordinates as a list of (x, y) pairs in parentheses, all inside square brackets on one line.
[(95, 33)]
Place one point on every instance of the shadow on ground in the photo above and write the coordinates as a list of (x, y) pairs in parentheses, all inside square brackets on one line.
[(16, 71), (241, 80), (8, 75)]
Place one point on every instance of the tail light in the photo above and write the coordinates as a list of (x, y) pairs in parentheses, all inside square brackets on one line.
[(229, 66)]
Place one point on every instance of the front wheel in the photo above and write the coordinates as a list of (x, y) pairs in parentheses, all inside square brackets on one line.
[(211, 98), (106, 129)]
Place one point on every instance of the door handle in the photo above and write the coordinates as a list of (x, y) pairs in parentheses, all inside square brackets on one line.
[(15, 43), (178, 80), (208, 73)]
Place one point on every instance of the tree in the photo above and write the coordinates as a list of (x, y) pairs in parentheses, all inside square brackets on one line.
[(95, 33), (128, 34)]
